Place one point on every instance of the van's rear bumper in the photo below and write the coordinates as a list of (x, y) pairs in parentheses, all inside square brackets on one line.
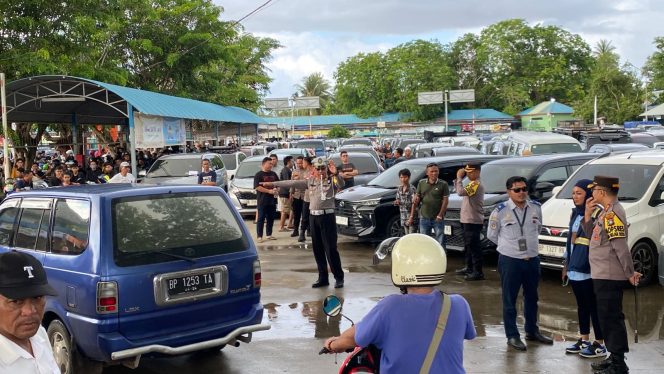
[(242, 334)]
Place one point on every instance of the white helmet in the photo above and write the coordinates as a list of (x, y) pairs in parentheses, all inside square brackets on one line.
[(418, 260)]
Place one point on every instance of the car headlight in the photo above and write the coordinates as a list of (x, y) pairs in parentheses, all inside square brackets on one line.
[(366, 203)]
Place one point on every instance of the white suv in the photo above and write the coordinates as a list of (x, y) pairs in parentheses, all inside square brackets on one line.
[(641, 193)]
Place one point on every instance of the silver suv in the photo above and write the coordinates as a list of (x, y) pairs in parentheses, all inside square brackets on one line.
[(183, 168)]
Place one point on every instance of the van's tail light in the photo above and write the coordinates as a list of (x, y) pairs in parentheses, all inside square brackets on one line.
[(107, 297), (257, 274)]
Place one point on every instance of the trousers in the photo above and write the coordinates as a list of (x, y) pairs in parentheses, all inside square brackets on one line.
[(298, 204), (586, 307), (304, 226), (472, 246), (265, 218), (427, 224), (516, 274), (609, 294), (324, 238)]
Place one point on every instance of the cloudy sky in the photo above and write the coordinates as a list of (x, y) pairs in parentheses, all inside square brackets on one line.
[(318, 34)]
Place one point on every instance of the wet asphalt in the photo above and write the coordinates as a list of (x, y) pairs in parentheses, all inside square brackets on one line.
[(299, 327)]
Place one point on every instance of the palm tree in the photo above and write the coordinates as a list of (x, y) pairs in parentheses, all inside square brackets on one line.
[(315, 85), (603, 47)]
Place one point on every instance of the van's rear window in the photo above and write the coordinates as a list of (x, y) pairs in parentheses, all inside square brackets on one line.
[(160, 228)]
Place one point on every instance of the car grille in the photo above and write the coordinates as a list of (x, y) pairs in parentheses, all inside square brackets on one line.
[(554, 231), (454, 215), (355, 222), (247, 195)]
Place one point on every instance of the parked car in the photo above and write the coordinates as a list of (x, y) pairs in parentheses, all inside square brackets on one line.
[(295, 152), (139, 270), (232, 162), (356, 141), (367, 166), (641, 194), (455, 150), (618, 148), (241, 187), (459, 141), (543, 173), (368, 212), (183, 168), (361, 149), (404, 142), (539, 143), (426, 149), (317, 146)]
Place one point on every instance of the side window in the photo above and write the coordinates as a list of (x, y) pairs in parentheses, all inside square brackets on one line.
[(520, 148), (511, 151), (217, 163), (33, 225), (71, 226), (241, 157), (556, 175), (8, 213), (657, 195), (448, 174)]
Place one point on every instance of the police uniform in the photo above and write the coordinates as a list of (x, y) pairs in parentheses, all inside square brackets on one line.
[(322, 224), (472, 220), (515, 231), (610, 267), (298, 201)]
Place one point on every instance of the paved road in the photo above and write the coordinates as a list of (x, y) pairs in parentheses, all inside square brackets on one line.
[(299, 327)]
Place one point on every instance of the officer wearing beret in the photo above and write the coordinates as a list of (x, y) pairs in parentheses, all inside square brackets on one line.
[(514, 226), (24, 344), (610, 268), (472, 219)]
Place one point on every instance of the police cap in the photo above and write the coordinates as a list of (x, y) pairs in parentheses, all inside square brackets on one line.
[(611, 183)]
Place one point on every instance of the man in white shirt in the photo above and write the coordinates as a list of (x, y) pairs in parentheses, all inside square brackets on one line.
[(124, 176), (24, 344)]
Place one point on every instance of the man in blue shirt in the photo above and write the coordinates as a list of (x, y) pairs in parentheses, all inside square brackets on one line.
[(207, 177)]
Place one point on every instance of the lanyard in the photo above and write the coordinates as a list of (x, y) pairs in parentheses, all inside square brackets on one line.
[(523, 220)]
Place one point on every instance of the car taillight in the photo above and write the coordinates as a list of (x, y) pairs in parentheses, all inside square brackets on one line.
[(257, 274), (107, 297)]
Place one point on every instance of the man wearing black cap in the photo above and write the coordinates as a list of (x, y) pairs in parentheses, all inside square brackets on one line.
[(611, 267), (472, 219), (24, 344)]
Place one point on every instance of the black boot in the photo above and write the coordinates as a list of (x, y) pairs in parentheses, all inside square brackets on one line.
[(601, 365), (301, 237), (616, 365), (295, 233)]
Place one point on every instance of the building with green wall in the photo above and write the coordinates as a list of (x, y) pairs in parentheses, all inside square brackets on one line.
[(545, 116)]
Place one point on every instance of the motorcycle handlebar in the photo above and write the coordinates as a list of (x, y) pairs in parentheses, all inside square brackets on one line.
[(325, 350)]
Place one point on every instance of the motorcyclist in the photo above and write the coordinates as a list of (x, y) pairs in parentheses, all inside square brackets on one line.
[(402, 326)]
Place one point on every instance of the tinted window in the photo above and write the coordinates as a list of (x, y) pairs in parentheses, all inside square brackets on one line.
[(159, 228), (71, 226), (174, 167), (364, 165), (216, 163), (34, 215), (540, 149), (494, 176), (634, 179), (229, 161), (248, 169), (390, 177), (317, 145), (8, 213), (556, 175)]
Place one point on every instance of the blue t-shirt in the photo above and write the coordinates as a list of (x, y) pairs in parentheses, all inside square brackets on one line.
[(402, 327), (210, 176)]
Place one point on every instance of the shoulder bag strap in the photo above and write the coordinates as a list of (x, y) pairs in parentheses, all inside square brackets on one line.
[(437, 335)]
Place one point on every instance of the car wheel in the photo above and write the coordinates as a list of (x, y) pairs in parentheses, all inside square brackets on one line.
[(645, 261), (394, 227), (66, 356)]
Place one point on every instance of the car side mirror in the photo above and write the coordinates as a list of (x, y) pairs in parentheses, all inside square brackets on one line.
[(332, 306), (142, 173), (544, 186), (556, 189)]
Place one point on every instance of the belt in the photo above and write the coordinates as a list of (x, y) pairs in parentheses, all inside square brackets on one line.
[(582, 241), (321, 212)]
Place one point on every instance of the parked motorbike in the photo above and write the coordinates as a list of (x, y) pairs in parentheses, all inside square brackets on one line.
[(360, 359)]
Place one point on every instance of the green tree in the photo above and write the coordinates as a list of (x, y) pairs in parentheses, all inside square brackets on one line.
[(338, 131), (315, 85), (618, 88), (654, 70)]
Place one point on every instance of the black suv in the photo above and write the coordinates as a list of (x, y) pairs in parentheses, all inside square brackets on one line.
[(368, 212), (543, 172)]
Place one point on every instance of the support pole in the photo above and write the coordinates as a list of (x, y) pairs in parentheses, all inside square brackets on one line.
[(239, 135), (445, 100), (5, 146), (132, 139), (74, 132)]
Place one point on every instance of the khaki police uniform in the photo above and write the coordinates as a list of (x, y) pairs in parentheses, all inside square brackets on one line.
[(472, 221)]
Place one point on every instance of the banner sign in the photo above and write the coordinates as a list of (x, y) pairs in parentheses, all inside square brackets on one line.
[(158, 132)]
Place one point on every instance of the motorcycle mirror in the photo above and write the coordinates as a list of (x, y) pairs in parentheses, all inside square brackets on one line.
[(332, 306), (384, 249)]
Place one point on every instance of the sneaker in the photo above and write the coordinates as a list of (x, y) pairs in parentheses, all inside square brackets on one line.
[(593, 351), (578, 346), (260, 240), (271, 238)]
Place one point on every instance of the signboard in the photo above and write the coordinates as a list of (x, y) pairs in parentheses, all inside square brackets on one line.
[(429, 98), (277, 104), (306, 102), (380, 124), (462, 96), (158, 132)]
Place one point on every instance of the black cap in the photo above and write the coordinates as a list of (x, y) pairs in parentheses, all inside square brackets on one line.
[(22, 276), (610, 183), (472, 167)]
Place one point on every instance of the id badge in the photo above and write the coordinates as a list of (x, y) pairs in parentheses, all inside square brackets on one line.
[(523, 245)]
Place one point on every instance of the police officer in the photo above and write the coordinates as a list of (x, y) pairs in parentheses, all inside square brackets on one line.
[(322, 187), (514, 226), (472, 219), (610, 268)]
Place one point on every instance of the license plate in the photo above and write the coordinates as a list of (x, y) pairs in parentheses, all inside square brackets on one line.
[(190, 283), (342, 220), (447, 230), (551, 250)]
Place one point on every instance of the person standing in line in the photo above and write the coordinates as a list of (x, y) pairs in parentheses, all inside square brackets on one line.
[(433, 194), (407, 210), (24, 343), (308, 173), (472, 219), (322, 186), (297, 195), (284, 194), (347, 170), (266, 199), (576, 271), (207, 177), (611, 267), (514, 226)]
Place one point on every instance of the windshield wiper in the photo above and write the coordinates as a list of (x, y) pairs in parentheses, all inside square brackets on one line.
[(161, 251)]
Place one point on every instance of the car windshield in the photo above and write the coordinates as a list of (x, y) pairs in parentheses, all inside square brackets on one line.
[(357, 141), (632, 178), (390, 177), (319, 145), (541, 149), (494, 176), (174, 167), (159, 228), (364, 165), (248, 169), (229, 160)]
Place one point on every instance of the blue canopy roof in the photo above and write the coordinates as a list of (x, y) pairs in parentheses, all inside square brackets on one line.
[(56, 98), (338, 119), (547, 107)]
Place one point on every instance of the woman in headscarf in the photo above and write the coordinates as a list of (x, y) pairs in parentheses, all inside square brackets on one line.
[(576, 270)]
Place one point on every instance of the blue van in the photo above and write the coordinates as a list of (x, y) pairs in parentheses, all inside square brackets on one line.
[(140, 270)]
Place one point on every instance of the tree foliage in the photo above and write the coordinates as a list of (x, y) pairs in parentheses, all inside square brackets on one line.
[(338, 131), (315, 84), (654, 68)]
